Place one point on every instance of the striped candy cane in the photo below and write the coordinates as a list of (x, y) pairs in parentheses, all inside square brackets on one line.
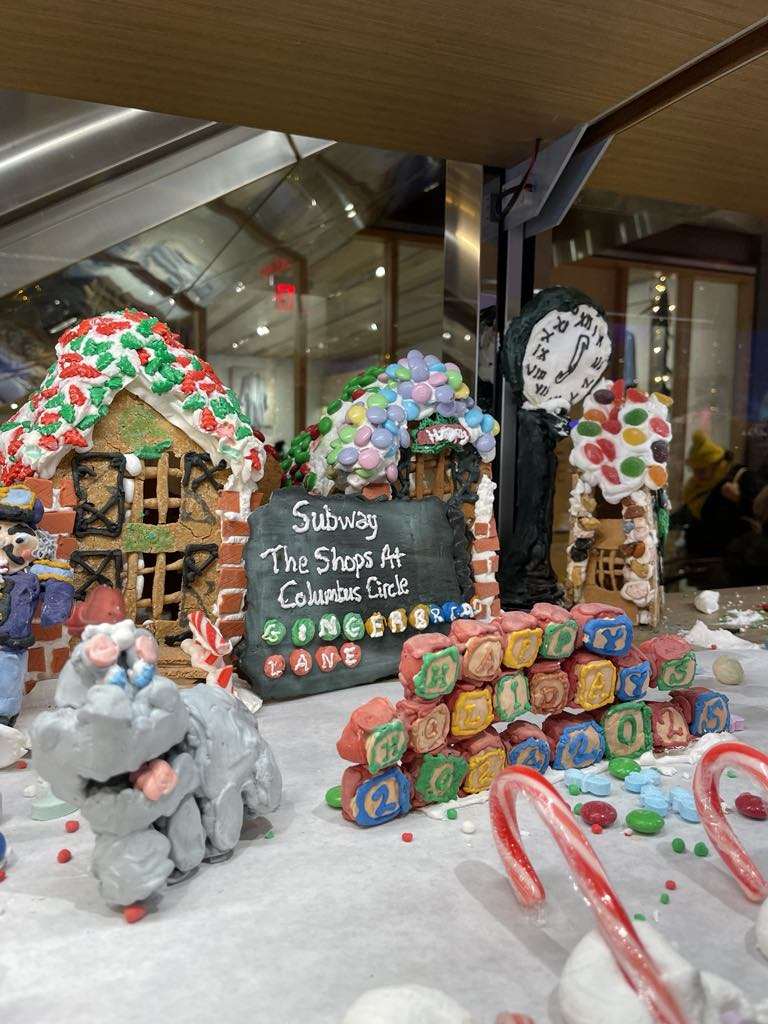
[(207, 635), (612, 920), (705, 791)]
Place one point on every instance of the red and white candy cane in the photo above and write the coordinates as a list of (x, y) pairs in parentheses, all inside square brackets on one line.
[(207, 635), (612, 920), (705, 791)]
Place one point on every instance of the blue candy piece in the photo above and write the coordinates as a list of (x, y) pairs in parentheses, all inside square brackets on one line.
[(405, 438), (142, 674), (710, 713), (532, 752), (573, 777), (3, 849), (633, 681), (474, 417), (636, 781), (389, 394), (655, 799), (405, 389), (436, 613), (391, 426), (376, 415), (684, 804), (487, 423), (117, 676), (451, 610), (595, 783), (411, 409), (380, 438), (437, 367), (391, 371), (608, 636), (485, 443)]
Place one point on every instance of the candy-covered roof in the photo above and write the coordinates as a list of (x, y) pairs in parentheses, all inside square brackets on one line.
[(127, 350), (417, 402), (621, 443)]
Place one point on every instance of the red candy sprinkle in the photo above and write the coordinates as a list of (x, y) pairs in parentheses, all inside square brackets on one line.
[(134, 913), (750, 805), (63, 856), (2, 875), (71, 825), (598, 812), (407, 837), (597, 829), (669, 884), (20, 765)]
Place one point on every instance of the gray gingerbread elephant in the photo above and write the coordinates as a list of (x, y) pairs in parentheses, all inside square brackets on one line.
[(164, 777)]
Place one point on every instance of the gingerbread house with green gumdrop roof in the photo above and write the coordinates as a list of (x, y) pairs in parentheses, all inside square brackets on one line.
[(148, 470)]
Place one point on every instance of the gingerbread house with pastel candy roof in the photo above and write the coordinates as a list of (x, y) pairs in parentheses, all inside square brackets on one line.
[(618, 506), (148, 469)]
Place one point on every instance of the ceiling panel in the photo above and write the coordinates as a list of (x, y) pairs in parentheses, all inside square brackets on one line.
[(447, 78), (709, 149)]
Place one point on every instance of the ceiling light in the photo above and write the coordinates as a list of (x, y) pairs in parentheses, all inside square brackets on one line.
[(349, 206), (657, 350), (261, 330), (660, 288), (313, 202), (239, 287), (380, 271), (467, 337), (672, 309), (14, 405), (352, 213), (447, 335), (171, 302), (234, 344), (374, 326)]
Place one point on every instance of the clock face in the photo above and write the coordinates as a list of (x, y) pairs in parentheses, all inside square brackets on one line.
[(565, 356)]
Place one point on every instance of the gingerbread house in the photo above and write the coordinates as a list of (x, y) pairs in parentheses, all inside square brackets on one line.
[(148, 470), (618, 506)]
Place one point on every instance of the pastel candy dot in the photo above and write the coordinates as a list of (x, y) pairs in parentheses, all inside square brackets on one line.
[(347, 433), (376, 415), (410, 409), (488, 422), (462, 391), (588, 428), (454, 379), (438, 367), (403, 373), (391, 371), (635, 417), (438, 379), (459, 408), (496, 428), (474, 417), (420, 373), (644, 821), (381, 438), (678, 845), (405, 390), (391, 426), (391, 472), (446, 408), (370, 458), (377, 400), (444, 393), (365, 473), (404, 438), (389, 394), (633, 436), (347, 456), (421, 393), (632, 466), (356, 414), (431, 360), (416, 355), (657, 475), (593, 453), (332, 456), (363, 436), (395, 412), (485, 443)]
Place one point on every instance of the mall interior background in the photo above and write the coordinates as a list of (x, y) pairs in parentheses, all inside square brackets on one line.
[(335, 258)]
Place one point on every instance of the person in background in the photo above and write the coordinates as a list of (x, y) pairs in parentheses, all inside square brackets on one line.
[(718, 503)]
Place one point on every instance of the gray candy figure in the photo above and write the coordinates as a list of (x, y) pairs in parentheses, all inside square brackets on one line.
[(163, 776)]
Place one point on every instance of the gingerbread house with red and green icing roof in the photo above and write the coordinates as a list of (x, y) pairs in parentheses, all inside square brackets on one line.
[(148, 469)]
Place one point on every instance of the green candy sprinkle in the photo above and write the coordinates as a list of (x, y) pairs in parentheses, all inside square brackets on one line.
[(452, 813), (269, 835), (377, 399), (333, 407), (701, 850), (574, 789), (324, 425), (639, 917), (347, 434), (621, 767), (311, 480), (302, 632), (644, 821), (731, 773), (678, 845), (664, 898), (577, 808), (333, 797)]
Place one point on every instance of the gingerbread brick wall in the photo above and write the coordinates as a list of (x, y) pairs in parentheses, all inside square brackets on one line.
[(51, 650), (485, 564), (234, 509)]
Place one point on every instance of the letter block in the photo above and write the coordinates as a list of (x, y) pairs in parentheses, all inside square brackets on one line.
[(510, 697), (560, 631), (593, 680), (429, 666), (527, 745), (575, 741), (437, 777), (673, 662), (427, 723), (704, 710), (548, 688), (480, 644), (604, 628), (670, 729), (522, 638), (471, 711), (374, 735), (634, 675), (627, 729), (486, 757), (369, 800)]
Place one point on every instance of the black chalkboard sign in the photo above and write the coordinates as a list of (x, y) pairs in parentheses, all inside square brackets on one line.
[(319, 568)]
